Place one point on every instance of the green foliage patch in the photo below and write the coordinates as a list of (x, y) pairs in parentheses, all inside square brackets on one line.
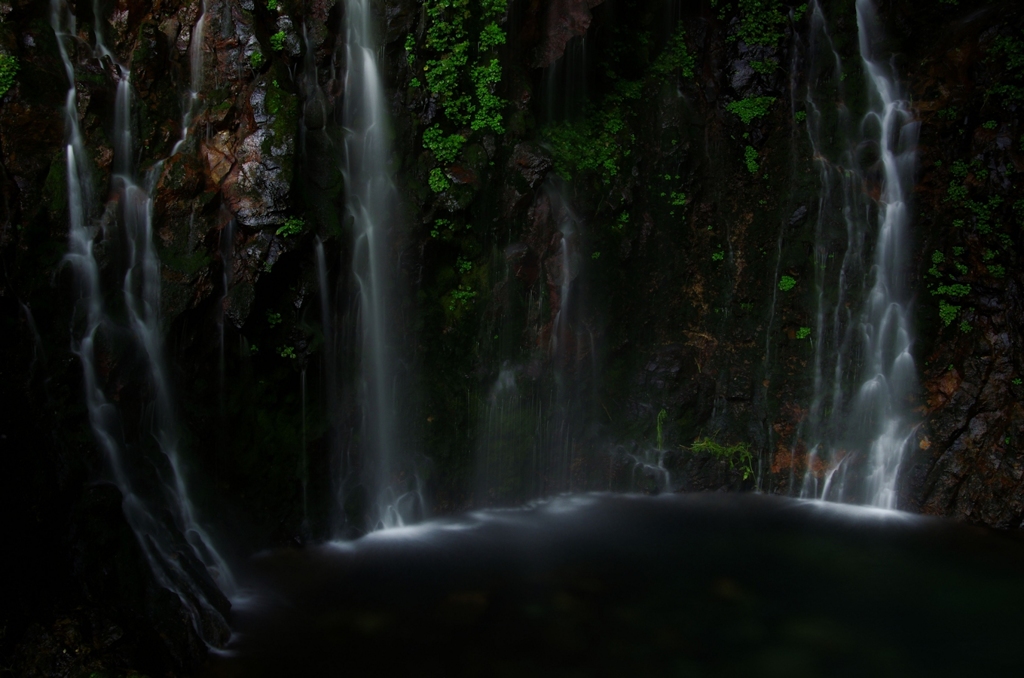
[(750, 108), (1007, 54), (600, 140), (9, 68), (737, 455), (750, 158), (292, 226)]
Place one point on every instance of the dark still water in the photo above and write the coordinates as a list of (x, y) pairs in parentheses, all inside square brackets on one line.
[(692, 585)]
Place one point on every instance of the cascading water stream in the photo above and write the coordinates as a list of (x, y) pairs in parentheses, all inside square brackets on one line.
[(535, 420), (80, 251), (371, 202), (195, 62), (173, 560), (858, 440)]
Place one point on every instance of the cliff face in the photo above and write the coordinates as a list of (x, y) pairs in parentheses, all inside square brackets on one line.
[(577, 331)]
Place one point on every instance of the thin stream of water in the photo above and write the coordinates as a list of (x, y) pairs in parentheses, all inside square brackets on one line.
[(371, 202), (170, 547)]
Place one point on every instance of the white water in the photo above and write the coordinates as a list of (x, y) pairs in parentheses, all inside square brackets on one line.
[(195, 61), (167, 555), (372, 203), (860, 419)]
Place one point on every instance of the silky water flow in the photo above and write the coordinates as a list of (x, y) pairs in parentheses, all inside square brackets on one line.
[(860, 418), (371, 200), (179, 550)]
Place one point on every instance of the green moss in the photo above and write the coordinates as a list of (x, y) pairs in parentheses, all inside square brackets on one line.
[(761, 22), (947, 312), (738, 455), (292, 226), (750, 108), (438, 181), (750, 158), (675, 58), (444, 147), (786, 283), (1007, 55), (277, 41), (600, 141)]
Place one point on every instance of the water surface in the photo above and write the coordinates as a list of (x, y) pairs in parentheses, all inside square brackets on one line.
[(694, 585)]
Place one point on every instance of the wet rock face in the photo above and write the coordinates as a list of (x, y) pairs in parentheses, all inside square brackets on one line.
[(562, 21), (967, 459)]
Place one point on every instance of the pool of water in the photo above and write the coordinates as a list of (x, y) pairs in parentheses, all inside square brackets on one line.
[(693, 585)]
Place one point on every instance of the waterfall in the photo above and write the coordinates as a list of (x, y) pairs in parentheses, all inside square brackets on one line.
[(535, 420), (566, 86), (860, 418), (195, 62), (176, 545), (371, 200)]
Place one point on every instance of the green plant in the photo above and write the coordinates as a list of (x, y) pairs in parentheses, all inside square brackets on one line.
[(621, 222), (272, 5), (737, 455), (991, 124), (662, 416), (600, 140), (718, 255), (766, 67), (786, 283), (1017, 381), (965, 326), (292, 226), (464, 295), (256, 60), (675, 57), (444, 147), (273, 319), (750, 156), (286, 352), (277, 41), (9, 68), (750, 108), (464, 265), (955, 290), (803, 333), (947, 312), (677, 199), (595, 256), (800, 116), (1007, 54), (438, 181), (761, 22)]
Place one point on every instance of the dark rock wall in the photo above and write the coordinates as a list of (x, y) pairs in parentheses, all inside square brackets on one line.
[(679, 254)]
